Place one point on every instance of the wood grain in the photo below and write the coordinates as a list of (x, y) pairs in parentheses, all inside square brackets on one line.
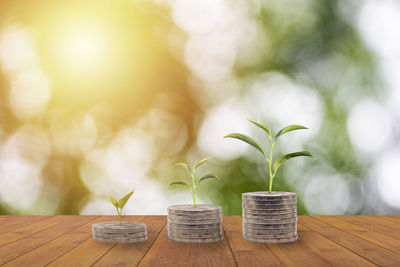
[(330, 250), (323, 241), (13, 250), (376, 224), (380, 239), (246, 253), (29, 229), (132, 254), (165, 252), (14, 222), (365, 249), (89, 251), (59, 246)]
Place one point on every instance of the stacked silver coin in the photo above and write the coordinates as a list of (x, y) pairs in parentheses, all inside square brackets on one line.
[(200, 224), (269, 217), (112, 232)]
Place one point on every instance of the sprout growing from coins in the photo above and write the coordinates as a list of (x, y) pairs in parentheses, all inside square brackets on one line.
[(119, 205), (195, 180)]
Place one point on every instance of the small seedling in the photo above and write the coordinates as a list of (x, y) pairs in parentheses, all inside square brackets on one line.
[(119, 205), (272, 140), (195, 180)]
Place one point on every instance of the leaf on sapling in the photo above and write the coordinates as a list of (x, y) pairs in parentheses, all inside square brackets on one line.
[(284, 158), (246, 139), (184, 165), (208, 176), (200, 163), (113, 201), (288, 129), (182, 184), (262, 126), (122, 201)]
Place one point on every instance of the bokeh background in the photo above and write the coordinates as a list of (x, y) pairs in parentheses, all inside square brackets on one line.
[(98, 97)]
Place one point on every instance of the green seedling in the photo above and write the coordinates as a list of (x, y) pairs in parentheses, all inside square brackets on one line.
[(119, 205), (272, 168), (195, 180)]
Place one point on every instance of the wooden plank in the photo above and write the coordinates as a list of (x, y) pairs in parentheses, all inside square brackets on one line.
[(334, 253), (132, 254), (380, 239), (246, 253), (59, 246), (89, 251), (14, 222), (312, 249), (24, 245), (29, 229), (375, 223), (393, 218), (6, 217), (365, 249), (166, 252)]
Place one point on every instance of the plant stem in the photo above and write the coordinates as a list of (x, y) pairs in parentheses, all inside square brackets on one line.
[(193, 190), (271, 176), (119, 215)]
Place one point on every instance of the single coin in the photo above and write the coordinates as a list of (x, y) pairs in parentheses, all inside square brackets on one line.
[(196, 231), (179, 234), (269, 217), (269, 231), (193, 226), (269, 211), (269, 236), (114, 227), (119, 235), (256, 221), (197, 240), (273, 208), (271, 240), (269, 203), (266, 196), (192, 222), (195, 216), (120, 240), (199, 209), (269, 226)]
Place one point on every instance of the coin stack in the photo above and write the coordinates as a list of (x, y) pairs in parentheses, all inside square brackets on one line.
[(269, 217), (112, 232), (200, 224)]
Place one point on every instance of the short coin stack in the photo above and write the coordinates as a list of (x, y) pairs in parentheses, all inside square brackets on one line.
[(112, 232), (269, 217), (200, 224)]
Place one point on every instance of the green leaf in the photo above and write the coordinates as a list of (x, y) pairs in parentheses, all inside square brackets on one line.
[(182, 184), (122, 201), (200, 163), (208, 176), (184, 165), (288, 129), (262, 126), (284, 158), (246, 139), (113, 201)]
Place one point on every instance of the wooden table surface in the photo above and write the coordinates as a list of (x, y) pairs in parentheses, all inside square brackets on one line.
[(323, 241)]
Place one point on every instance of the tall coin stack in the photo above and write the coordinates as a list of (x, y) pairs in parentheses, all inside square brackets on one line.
[(112, 232), (200, 224), (269, 217)]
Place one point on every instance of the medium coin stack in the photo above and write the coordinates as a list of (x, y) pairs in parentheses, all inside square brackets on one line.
[(112, 232), (200, 224), (269, 217)]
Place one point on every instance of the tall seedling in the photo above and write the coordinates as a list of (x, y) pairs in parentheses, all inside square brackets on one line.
[(272, 168)]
